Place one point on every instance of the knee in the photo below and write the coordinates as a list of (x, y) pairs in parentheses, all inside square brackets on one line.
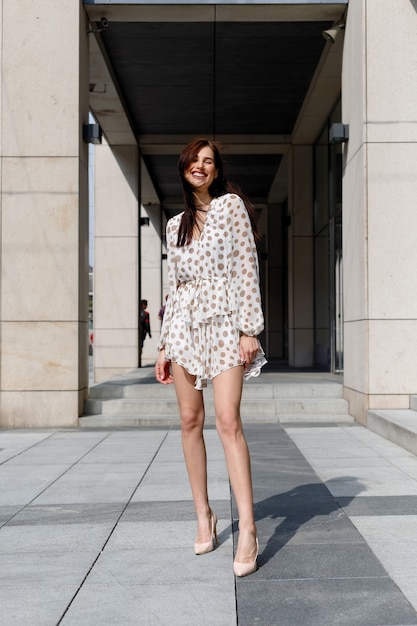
[(228, 423), (191, 420)]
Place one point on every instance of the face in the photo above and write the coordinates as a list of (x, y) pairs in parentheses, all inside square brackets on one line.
[(202, 172)]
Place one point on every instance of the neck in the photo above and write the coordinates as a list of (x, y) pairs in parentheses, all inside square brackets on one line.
[(202, 201)]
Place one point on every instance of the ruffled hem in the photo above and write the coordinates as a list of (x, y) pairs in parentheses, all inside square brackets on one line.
[(255, 367), (252, 371)]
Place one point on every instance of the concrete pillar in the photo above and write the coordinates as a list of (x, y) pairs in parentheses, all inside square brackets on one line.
[(379, 205), (116, 261), (44, 213), (300, 258)]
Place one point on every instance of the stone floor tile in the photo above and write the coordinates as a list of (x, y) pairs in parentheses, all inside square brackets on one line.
[(19, 484), (34, 603), (52, 538), (151, 565), (209, 604), (71, 513), (26, 569), (95, 483), (346, 602)]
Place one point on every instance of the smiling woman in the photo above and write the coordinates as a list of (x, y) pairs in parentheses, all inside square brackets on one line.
[(210, 327)]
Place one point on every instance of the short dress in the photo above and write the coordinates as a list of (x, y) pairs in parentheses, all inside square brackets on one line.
[(214, 293)]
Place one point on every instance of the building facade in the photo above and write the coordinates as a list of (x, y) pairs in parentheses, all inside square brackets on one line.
[(314, 103)]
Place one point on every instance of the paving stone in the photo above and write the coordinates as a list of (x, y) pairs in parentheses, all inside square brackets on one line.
[(345, 602), (106, 537)]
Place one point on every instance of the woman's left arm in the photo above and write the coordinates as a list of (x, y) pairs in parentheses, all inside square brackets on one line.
[(245, 273)]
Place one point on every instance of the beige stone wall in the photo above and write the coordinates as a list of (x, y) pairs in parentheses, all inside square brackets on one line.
[(44, 211), (379, 204), (116, 260)]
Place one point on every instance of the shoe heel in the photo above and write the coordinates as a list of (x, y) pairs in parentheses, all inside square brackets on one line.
[(215, 530), (244, 569), (208, 546)]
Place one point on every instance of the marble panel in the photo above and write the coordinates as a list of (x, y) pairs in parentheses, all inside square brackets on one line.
[(39, 356), (355, 246), (389, 401), (116, 191), (116, 282), (39, 409), (116, 349), (392, 357), (40, 236), (392, 222), (45, 121), (391, 71), (356, 358), (354, 79)]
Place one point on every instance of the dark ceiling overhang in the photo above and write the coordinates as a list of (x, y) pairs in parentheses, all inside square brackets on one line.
[(247, 75)]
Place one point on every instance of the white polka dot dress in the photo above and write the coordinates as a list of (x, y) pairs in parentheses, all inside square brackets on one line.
[(213, 293)]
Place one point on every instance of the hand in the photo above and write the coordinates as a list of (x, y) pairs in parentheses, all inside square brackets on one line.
[(248, 347), (162, 369)]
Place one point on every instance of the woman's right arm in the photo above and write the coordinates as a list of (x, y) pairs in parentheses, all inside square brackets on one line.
[(162, 367), (172, 281)]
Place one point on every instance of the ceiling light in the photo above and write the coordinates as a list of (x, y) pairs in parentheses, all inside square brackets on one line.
[(331, 33)]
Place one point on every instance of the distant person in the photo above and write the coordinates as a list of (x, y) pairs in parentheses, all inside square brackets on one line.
[(144, 321), (162, 310)]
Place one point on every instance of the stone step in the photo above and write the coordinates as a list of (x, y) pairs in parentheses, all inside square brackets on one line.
[(281, 406), (155, 391), (154, 421), (136, 399), (250, 391), (398, 426)]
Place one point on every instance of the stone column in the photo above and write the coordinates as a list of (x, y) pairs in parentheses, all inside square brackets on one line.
[(300, 258), (116, 260), (379, 205), (273, 304), (44, 213)]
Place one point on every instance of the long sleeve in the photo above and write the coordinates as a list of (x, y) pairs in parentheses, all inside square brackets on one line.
[(245, 272), (171, 234)]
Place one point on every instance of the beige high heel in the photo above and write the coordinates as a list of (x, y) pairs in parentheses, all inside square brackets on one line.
[(244, 569), (208, 546)]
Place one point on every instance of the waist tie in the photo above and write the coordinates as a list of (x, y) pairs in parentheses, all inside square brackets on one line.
[(201, 299)]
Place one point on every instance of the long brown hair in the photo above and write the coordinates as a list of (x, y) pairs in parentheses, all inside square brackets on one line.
[(219, 187)]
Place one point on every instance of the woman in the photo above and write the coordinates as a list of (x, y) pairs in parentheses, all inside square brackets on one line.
[(212, 318)]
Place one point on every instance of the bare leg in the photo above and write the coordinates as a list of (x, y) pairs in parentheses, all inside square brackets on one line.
[(227, 389), (191, 406)]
